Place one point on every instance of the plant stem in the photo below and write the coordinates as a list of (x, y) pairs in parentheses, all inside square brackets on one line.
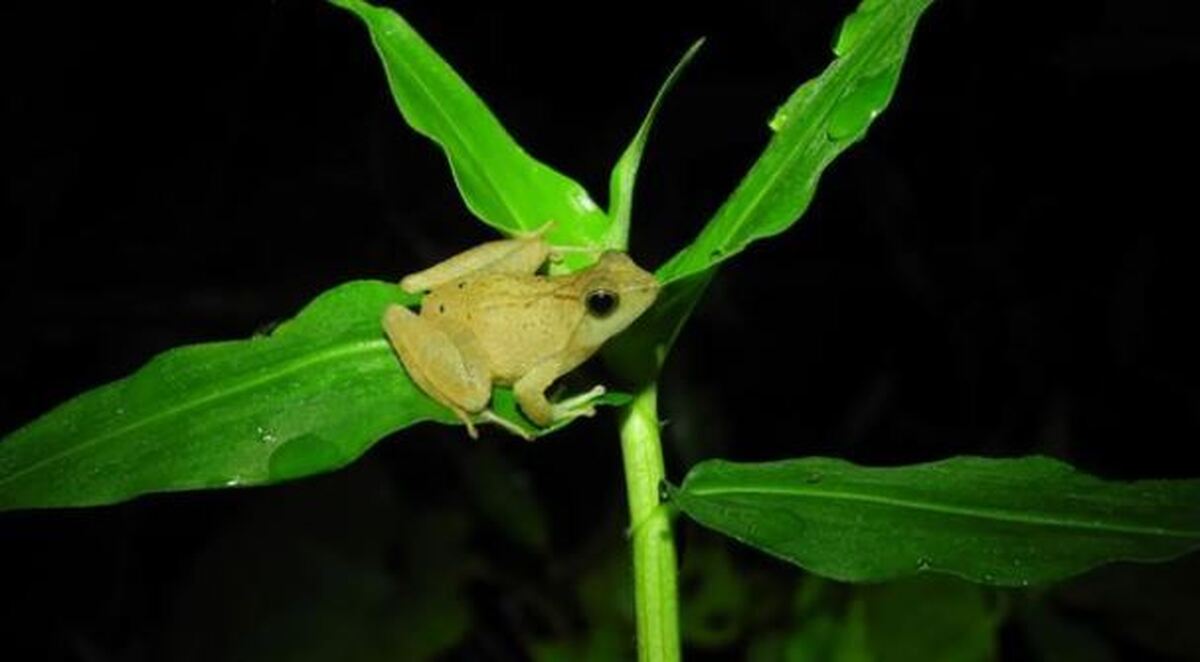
[(654, 571)]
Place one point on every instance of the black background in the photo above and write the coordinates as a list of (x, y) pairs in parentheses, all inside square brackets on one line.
[(1005, 266)]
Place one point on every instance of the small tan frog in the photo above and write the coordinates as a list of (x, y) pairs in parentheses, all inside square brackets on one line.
[(489, 318)]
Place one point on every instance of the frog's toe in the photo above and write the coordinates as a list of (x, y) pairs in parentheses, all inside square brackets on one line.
[(579, 405), (489, 416), (466, 419)]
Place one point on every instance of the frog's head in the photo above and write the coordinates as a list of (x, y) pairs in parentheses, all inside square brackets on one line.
[(614, 292)]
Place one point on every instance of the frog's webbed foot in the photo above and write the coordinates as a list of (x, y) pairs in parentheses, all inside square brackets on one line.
[(560, 413), (583, 404)]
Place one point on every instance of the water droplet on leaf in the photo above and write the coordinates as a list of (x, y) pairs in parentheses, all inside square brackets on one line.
[(854, 112), (265, 435), (852, 30), (304, 455), (779, 120)]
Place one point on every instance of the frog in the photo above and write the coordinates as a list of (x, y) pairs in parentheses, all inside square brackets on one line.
[(491, 317)]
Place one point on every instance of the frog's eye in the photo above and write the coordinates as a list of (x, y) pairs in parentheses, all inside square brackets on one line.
[(601, 303)]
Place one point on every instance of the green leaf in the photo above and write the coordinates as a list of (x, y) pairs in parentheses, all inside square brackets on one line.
[(830, 636), (354, 568), (624, 174), (309, 398), (820, 120), (931, 618), (716, 598), (501, 184), (504, 405), (1009, 522)]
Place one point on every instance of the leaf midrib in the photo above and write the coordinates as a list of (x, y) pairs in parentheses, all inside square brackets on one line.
[(867, 48), (991, 514), (468, 146), (283, 370)]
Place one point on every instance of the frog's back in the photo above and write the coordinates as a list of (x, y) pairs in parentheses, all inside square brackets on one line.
[(518, 320)]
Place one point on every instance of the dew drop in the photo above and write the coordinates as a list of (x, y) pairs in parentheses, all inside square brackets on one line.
[(583, 202), (304, 455), (779, 120), (852, 30), (855, 111), (793, 107), (265, 435)]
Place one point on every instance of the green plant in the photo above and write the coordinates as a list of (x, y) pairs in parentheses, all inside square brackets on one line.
[(322, 388)]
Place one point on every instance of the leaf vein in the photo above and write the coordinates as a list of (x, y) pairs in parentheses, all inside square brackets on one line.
[(283, 370), (987, 513)]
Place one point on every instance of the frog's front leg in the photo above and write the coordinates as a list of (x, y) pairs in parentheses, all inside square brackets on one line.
[(444, 361), (520, 256), (530, 391)]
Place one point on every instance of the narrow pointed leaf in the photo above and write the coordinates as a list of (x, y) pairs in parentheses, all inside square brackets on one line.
[(820, 120), (1008, 522), (624, 174), (501, 184), (311, 397)]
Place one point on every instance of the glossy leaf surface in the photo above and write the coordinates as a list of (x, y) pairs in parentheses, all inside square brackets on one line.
[(308, 398), (624, 174), (324, 387), (502, 184), (1009, 522), (822, 118)]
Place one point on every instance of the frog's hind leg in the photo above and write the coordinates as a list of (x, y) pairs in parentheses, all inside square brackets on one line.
[(520, 256), (451, 370), (489, 416)]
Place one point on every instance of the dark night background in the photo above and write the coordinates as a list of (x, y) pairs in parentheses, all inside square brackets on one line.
[(1005, 266)]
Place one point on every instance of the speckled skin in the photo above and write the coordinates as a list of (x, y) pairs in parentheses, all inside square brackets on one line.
[(489, 319)]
